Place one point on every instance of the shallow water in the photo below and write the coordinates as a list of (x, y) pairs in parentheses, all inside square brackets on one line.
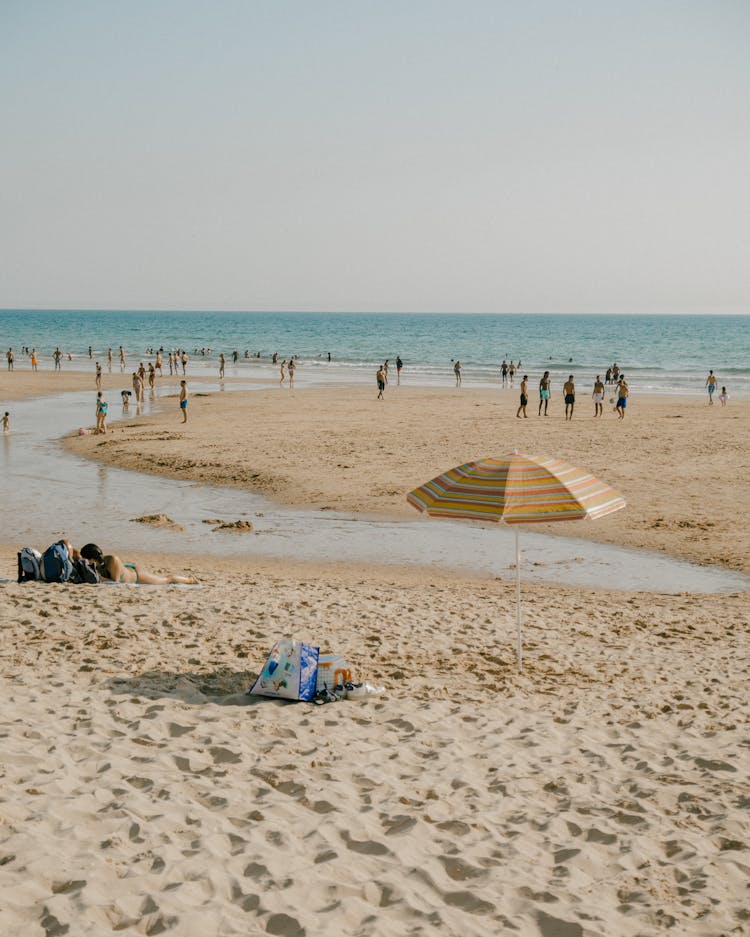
[(47, 493)]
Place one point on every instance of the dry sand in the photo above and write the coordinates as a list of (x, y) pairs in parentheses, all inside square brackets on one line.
[(603, 793)]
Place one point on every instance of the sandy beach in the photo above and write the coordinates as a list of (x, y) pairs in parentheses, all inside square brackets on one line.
[(601, 793)]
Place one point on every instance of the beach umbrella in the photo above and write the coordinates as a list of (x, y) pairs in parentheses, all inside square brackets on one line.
[(516, 489)]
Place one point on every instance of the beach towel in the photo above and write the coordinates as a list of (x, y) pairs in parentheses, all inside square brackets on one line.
[(290, 671)]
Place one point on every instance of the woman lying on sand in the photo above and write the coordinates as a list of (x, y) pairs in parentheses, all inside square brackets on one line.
[(113, 568)]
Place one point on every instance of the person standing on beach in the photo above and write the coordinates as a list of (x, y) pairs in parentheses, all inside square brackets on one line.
[(98, 376), (723, 396), (282, 371), (511, 372), (544, 390), (184, 363), (292, 366), (58, 359), (137, 387), (399, 365), (11, 358), (711, 383), (457, 372), (380, 378), (151, 375), (34, 360), (183, 400), (122, 358), (222, 363), (524, 397), (159, 362), (101, 413), (109, 359), (6, 422), (598, 396), (622, 397), (569, 392), (504, 372)]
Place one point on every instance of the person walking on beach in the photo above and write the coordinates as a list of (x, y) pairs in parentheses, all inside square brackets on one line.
[(544, 391), (11, 358), (34, 360), (109, 360), (504, 372), (159, 362), (222, 363), (399, 366), (569, 392), (380, 378), (183, 400), (122, 358), (98, 376), (137, 386), (6, 422), (723, 396), (598, 396), (511, 372), (711, 383), (622, 397), (282, 371), (292, 365), (457, 372), (101, 413), (524, 397), (151, 375)]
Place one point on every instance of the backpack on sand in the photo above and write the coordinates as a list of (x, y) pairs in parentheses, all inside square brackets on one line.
[(85, 572), (30, 565), (56, 563)]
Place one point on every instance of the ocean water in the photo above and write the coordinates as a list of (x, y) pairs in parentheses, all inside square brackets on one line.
[(657, 353)]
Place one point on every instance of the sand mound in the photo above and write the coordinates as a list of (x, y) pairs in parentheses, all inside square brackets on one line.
[(238, 526), (158, 520)]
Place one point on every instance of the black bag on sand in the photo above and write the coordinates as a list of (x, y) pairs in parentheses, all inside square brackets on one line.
[(85, 572)]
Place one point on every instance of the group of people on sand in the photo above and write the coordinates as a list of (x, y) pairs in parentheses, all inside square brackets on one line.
[(569, 396), (287, 367), (711, 385), (381, 375)]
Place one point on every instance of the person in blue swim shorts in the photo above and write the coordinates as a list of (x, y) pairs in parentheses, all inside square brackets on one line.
[(183, 400), (622, 397)]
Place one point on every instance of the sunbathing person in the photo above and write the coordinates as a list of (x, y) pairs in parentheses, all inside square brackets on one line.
[(113, 569)]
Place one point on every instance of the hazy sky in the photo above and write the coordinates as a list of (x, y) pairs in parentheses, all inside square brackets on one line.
[(524, 156)]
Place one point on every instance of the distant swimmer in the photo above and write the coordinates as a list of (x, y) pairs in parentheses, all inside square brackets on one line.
[(598, 396), (457, 372), (544, 392), (569, 392)]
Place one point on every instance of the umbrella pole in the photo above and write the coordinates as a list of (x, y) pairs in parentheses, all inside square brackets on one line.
[(518, 601)]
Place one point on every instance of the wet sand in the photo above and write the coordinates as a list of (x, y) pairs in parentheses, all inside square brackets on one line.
[(683, 466)]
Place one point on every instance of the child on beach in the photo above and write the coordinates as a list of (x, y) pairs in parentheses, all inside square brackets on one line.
[(6, 422), (101, 413), (723, 396), (183, 400)]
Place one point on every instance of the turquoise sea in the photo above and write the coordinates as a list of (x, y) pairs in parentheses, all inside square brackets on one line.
[(657, 353)]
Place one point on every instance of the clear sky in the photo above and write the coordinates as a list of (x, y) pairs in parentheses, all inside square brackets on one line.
[(499, 156)]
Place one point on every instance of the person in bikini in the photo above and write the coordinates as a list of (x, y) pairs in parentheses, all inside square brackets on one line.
[(113, 569)]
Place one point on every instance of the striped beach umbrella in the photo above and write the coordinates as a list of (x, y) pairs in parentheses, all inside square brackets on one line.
[(516, 489)]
